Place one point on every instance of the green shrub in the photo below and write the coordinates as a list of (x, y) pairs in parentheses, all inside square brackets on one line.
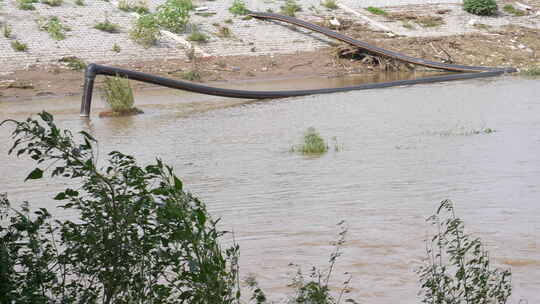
[(145, 31), (52, 2), (26, 5), (174, 14), (139, 237), (107, 26), (457, 267), (55, 28), (118, 94), (330, 4), (376, 11), (197, 36), (480, 7), (19, 46), (313, 143), (290, 8), (238, 8)]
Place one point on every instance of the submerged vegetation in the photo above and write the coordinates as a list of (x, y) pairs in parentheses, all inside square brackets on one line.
[(119, 96), (533, 72), (313, 143), (141, 238)]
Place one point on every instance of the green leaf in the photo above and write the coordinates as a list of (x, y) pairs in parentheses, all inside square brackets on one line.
[(36, 174), (46, 116), (60, 196), (177, 183)]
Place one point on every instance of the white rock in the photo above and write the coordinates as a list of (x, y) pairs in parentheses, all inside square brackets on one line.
[(521, 46), (202, 8), (391, 35), (335, 22), (471, 22)]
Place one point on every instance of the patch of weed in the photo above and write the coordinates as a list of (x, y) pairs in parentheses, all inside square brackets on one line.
[(21, 84), (509, 8), (73, 63), (139, 7), (224, 32), (313, 143), (118, 94), (191, 75), (107, 26), (19, 46), (55, 28), (430, 21), (116, 48), (330, 4), (531, 72), (205, 14), (229, 21), (376, 11), (238, 8), (26, 5), (198, 37), (79, 2), (145, 31), (174, 14), (52, 2), (290, 8), (407, 25)]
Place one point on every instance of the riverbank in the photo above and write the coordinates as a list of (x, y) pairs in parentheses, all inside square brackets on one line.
[(55, 68)]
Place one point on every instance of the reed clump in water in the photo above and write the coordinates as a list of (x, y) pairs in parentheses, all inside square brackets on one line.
[(313, 143), (119, 96)]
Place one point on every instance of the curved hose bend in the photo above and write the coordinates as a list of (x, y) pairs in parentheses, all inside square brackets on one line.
[(468, 72)]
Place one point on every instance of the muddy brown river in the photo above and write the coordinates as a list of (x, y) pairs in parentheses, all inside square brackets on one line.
[(404, 150)]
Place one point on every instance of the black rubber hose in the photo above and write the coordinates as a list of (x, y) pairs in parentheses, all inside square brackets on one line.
[(92, 70)]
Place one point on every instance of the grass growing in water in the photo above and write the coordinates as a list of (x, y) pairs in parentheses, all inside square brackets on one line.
[(290, 8), (313, 143), (457, 266), (376, 11), (118, 94), (19, 46), (534, 72), (145, 31), (107, 26), (238, 8), (330, 4)]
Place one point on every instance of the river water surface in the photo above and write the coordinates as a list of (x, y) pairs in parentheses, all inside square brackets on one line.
[(403, 150)]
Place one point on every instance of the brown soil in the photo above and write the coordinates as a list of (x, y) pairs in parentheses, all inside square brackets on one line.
[(512, 46)]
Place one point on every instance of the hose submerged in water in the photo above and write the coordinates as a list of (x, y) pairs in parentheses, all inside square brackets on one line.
[(467, 72)]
